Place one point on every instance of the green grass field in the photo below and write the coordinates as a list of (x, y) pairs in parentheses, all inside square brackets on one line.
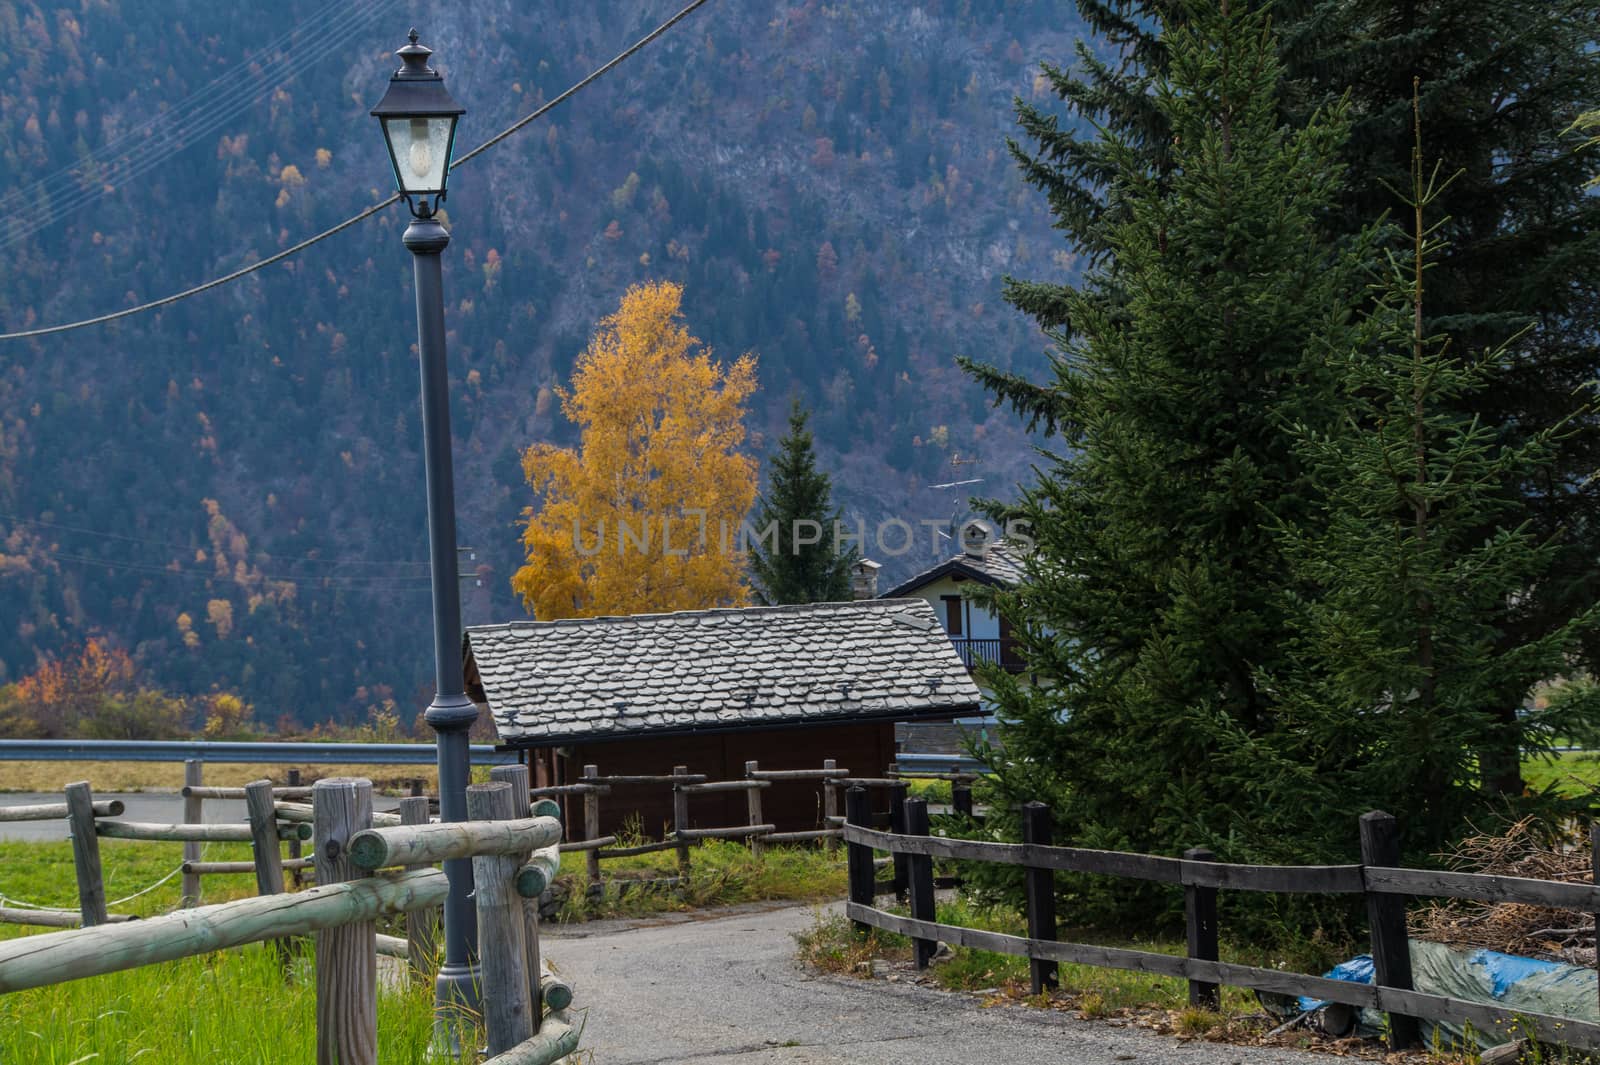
[(231, 1008), (1571, 772)]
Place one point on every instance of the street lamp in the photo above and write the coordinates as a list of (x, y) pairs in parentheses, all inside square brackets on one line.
[(419, 119)]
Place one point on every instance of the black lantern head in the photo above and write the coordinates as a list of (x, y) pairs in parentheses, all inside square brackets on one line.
[(419, 117)]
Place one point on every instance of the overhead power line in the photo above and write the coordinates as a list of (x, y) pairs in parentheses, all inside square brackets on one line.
[(415, 582), (172, 545), (201, 99), (129, 156), (538, 113)]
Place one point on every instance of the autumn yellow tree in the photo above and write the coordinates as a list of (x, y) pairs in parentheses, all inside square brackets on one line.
[(644, 514)]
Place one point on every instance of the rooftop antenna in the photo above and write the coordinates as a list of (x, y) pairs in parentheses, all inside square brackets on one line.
[(956, 462)]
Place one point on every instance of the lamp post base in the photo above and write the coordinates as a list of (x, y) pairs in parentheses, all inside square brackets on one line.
[(458, 993), (457, 1010)]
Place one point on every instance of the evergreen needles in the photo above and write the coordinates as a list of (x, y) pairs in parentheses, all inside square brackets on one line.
[(1283, 574), (803, 563)]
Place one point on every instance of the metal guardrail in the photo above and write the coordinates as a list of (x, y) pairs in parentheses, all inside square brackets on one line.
[(252, 752)]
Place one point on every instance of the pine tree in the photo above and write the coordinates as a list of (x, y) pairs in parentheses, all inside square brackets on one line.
[(804, 563), (1502, 82), (1398, 652), (1153, 597)]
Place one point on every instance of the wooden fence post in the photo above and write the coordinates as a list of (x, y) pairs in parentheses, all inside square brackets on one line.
[(858, 856), (294, 844), (264, 847), (421, 935), (1039, 889), (86, 854), (1386, 914), (591, 824), (830, 804), (753, 805), (193, 814), (680, 818), (502, 927), (1594, 859), (517, 777), (1200, 925), (347, 957), (897, 823), (961, 799), (921, 886)]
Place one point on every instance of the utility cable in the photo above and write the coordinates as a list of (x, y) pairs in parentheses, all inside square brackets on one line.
[(414, 581), (179, 128), (174, 546), (202, 99), (540, 112)]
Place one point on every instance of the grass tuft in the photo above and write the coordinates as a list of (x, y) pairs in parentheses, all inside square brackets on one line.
[(721, 873)]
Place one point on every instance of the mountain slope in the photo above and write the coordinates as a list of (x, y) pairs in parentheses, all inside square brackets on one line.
[(233, 486)]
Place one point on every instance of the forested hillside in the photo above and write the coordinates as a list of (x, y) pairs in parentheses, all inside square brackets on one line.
[(231, 489)]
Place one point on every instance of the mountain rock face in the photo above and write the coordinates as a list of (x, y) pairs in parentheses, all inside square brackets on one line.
[(231, 488)]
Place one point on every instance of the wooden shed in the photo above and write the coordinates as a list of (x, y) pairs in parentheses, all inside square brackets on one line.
[(787, 686)]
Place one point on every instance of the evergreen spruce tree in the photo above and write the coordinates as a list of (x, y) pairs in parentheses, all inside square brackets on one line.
[(804, 563), (1501, 83), (1399, 650), (1153, 599)]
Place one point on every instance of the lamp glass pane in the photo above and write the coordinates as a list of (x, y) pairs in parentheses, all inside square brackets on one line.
[(421, 149)]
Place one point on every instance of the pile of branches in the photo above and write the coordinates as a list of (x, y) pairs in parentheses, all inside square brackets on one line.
[(1529, 848)]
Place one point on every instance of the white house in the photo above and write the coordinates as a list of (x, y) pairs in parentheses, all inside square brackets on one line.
[(977, 633)]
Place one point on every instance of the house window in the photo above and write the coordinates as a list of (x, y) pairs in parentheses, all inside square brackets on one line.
[(952, 614)]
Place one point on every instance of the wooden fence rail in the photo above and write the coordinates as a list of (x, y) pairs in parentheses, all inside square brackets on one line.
[(89, 820), (1379, 879), (682, 835), (341, 912), (294, 816), (52, 811), (53, 958)]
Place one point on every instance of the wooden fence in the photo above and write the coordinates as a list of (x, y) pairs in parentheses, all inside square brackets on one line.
[(593, 788), (1379, 878), (364, 871), (282, 808)]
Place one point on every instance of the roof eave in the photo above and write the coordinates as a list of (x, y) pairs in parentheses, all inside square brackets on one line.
[(568, 739), (944, 569)]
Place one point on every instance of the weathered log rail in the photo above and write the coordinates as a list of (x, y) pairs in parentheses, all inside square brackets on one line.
[(1379, 878), (54, 811), (514, 858), (294, 815), (90, 820), (54, 958), (682, 834)]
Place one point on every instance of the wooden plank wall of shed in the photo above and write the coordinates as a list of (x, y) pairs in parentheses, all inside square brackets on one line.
[(864, 749)]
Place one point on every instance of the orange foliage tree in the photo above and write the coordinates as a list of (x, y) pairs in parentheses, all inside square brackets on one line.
[(644, 514), (95, 694)]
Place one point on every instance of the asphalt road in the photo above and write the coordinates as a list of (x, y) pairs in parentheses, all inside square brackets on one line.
[(729, 990)]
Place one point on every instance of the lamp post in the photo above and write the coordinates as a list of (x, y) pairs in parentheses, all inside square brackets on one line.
[(419, 119)]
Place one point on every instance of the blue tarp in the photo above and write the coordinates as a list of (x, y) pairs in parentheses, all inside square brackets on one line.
[(1474, 974)]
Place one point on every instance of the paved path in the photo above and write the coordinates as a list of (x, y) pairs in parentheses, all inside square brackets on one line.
[(728, 989)]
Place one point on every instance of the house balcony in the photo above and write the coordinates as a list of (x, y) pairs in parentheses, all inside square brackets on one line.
[(1002, 651)]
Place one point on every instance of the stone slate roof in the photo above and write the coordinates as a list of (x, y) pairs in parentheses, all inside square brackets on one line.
[(1000, 564), (714, 670)]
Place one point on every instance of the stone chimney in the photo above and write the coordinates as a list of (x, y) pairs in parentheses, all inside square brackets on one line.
[(975, 539), (864, 579)]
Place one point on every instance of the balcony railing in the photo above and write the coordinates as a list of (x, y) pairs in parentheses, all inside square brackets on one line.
[(1002, 651)]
